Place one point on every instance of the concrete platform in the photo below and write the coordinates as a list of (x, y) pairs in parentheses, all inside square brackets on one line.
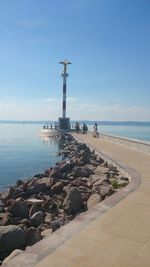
[(115, 234)]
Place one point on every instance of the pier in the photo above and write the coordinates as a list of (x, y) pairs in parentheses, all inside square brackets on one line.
[(115, 233)]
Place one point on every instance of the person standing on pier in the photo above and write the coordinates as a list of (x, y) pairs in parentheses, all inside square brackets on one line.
[(95, 132)]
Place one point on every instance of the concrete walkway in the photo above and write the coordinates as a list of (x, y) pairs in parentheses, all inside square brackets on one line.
[(121, 236)]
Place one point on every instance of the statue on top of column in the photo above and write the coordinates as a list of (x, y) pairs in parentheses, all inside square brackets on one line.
[(65, 63)]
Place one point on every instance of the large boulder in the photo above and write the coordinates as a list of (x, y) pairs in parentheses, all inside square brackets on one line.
[(44, 181), (11, 237), (73, 201), (7, 195), (37, 188), (105, 191), (58, 171), (19, 208), (35, 201), (93, 179), (33, 236), (93, 200), (37, 218), (103, 180), (57, 188), (81, 171), (35, 208), (101, 170), (19, 192)]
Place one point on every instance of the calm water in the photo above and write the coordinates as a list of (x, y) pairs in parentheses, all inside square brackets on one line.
[(23, 153), (135, 132)]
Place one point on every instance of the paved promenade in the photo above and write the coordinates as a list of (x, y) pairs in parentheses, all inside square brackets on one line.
[(121, 236)]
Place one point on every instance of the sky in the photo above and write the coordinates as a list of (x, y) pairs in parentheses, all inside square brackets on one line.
[(108, 43)]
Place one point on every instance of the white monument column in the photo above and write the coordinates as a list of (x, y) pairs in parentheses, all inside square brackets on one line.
[(64, 123), (64, 75)]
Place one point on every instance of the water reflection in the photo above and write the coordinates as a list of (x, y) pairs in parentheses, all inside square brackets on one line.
[(49, 140), (23, 153)]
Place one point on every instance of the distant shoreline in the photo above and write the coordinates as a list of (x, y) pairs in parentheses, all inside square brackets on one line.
[(89, 122)]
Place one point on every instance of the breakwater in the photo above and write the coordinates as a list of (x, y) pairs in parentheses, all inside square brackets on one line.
[(35, 208)]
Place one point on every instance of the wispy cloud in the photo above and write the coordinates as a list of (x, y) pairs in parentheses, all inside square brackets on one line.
[(51, 108), (114, 112), (10, 105), (72, 99), (89, 106), (50, 99)]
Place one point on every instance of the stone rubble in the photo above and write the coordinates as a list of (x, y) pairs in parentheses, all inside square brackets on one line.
[(34, 208)]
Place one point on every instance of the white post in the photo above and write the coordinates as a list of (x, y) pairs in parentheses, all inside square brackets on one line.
[(64, 75)]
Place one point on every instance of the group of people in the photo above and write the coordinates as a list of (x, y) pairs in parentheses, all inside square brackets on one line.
[(50, 126), (84, 128)]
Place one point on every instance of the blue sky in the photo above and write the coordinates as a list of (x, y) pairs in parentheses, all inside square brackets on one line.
[(108, 43)]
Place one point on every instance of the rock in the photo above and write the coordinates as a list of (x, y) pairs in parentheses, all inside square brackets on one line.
[(102, 180), (93, 200), (57, 188), (4, 219), (46, 233), (73, 201), (34, 209), (19, 192), (7, 195), (55, 225), (84, 189), (48, 217), (53, 208), (64, 182), (2, 206), (100, 160), (100, 170), (48, 171), (19, 208), (125, 179), (37, 188), (33, 236), (26, 222), (11, 237), (94, 163), (37, 218), (44, 180), (105, 191), (81, 171), (93, 179), (41, 175), (84, 159), (19, 182), (35, 201), (58, 171), (90, 166), (66, 188), (46, 205)]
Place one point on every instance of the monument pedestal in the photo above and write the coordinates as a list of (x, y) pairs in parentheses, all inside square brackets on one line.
[(64, 124)]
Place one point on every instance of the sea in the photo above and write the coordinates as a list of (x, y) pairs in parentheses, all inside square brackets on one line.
[(24, 153)]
